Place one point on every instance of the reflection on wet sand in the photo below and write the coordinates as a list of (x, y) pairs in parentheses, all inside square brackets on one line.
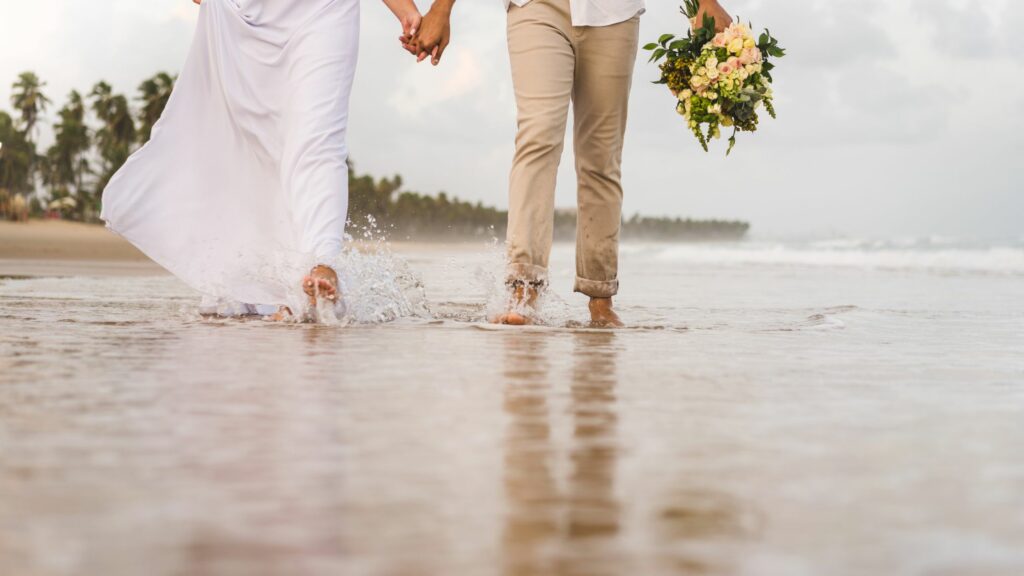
[(697, 529), (550, 529)]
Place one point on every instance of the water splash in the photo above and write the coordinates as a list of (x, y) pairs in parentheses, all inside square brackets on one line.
[(549, 309), (376, 286)]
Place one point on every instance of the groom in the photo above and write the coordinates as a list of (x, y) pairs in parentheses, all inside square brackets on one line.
[(578, 52)]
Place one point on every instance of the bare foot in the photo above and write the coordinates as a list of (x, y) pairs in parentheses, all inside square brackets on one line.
[(524, 298), (602, 315), (321, 282), (283, 313)]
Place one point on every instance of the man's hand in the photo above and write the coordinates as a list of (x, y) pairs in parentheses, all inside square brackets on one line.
[(435, 32), (713, 9)]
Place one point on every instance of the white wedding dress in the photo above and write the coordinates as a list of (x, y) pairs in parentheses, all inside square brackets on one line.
[(244, 184)]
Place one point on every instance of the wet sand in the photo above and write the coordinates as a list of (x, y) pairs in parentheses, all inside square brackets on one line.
[(62, 248), (771, 418), (62, 240)]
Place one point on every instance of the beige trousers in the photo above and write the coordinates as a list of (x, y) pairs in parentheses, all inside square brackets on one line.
[(553, 64)]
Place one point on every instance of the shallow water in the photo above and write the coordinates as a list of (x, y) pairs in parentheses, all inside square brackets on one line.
[(818, 409)]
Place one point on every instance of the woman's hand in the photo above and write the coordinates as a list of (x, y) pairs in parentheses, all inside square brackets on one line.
[(409, 17), (713, 9), (197, 1), (410, 26)]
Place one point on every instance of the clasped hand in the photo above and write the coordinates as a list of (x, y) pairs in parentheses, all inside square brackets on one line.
[(432, 35)]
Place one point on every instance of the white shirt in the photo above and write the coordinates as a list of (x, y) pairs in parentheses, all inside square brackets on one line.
[(597, 12)]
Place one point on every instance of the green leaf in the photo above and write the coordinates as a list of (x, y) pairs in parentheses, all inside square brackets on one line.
[(665, 38), (650, 46), (691, 8), (708, 24)]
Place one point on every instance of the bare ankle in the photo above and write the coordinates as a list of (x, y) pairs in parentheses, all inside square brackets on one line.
[(602, 314)]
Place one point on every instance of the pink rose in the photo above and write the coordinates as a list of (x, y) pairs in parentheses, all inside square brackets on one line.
[(725, 68), (719, 41), (747, 57)]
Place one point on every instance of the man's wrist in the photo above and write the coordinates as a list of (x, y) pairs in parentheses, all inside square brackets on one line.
[(443, 6)]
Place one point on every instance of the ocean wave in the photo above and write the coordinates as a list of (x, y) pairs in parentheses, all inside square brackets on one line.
[(1006, 260)]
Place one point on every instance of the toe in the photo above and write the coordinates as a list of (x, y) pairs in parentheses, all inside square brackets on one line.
[(327, 289)]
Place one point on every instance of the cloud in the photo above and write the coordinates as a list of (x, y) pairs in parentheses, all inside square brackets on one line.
[(959, 31), (465, 77), (830, 33)]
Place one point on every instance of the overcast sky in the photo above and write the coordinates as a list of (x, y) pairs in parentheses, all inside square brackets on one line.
[(896, 117)]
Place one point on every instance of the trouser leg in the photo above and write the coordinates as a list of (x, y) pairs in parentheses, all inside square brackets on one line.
[(543, 64), (605, 58)]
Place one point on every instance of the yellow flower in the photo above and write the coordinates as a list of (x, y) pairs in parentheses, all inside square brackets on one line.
[(749, 43), (736, 46)]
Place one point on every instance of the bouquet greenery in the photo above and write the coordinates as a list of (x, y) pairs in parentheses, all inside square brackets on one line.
[(719, 79)]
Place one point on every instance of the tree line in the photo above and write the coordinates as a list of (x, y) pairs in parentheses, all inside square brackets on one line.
[(95, 132), (382, 204)]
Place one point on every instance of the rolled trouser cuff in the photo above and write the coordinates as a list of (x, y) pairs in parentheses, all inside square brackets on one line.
[(529, 273), (597, 288)]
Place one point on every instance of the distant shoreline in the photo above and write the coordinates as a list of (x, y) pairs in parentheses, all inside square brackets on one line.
[(68, 240), (67, 248)]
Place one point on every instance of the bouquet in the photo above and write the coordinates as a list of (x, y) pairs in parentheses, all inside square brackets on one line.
[(718, 79)]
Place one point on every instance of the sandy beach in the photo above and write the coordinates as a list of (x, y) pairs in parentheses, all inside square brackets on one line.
[(61, 248), (64, 248), (63, 240)]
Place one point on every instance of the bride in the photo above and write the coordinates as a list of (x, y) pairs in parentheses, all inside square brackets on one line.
[(243, 188)]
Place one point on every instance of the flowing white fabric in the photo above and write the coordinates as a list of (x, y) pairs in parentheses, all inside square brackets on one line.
[(244, 183)]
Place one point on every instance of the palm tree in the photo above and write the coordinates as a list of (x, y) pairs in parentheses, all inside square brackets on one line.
[(117, 133), (17, 156), (154, 94), (28, 99), (67, 161)]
